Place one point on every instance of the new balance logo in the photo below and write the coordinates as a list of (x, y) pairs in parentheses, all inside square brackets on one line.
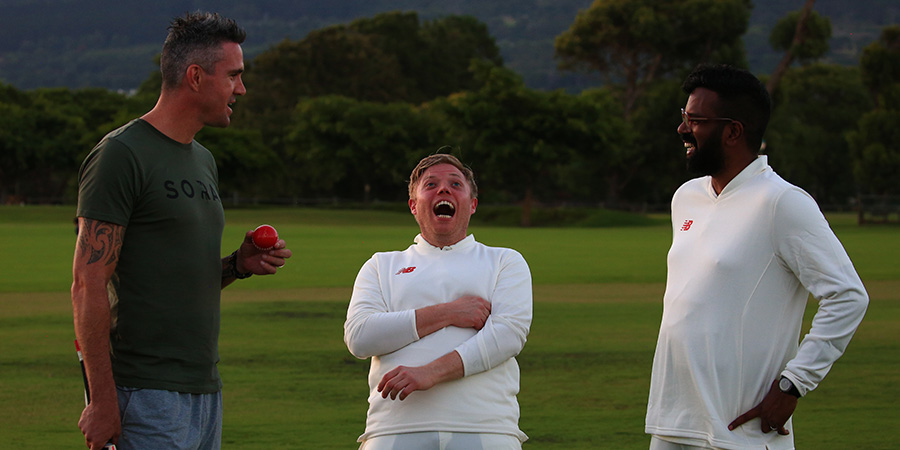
[(687, 225), (406, 270)]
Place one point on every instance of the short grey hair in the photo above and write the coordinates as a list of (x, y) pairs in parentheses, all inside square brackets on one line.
[(196, 38)]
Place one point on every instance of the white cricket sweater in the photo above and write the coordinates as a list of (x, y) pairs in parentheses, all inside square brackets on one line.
[(740, 269), (381, 324)]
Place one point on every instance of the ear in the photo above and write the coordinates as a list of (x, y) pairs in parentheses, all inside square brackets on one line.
[(734, 133), (412, 206), (193, 76), (474, 205)]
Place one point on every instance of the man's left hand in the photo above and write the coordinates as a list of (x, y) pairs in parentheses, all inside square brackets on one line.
[(402, 380), (773, 412)]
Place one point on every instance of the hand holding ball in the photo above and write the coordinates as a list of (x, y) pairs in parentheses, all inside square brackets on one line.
[(265, 237)]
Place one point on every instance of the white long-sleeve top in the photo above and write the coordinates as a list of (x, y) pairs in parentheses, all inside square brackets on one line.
[(381, 324), (740, 270)]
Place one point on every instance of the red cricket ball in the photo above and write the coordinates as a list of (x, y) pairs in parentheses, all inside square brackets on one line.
[(265, 237)]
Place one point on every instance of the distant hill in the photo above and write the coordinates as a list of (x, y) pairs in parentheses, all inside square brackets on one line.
[(81, 43)]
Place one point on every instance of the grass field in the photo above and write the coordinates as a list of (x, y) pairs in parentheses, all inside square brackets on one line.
[(290, 383)]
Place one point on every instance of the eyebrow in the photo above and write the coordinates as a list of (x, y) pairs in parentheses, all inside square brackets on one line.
[(451, 174)]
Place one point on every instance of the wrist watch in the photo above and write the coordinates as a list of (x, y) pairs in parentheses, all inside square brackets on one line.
[(786, 386)]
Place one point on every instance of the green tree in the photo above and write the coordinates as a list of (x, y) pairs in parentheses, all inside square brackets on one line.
[(247, 167), (875, 144), (13, 109), (331, 61), (634, 43), (517, 138), (39, 145), (803, 36), (345, 148), (875, 152), (97, 108), (16, 120), (44, 136), (451, 43), (602, 146), (144, 98), (658, 166), (880, 65), (388, 58), (814, 42), (805, 140)]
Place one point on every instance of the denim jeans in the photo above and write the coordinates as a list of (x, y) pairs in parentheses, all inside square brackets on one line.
[(157, 419)]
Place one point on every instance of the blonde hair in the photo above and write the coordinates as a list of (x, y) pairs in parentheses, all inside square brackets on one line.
[(441, 158)]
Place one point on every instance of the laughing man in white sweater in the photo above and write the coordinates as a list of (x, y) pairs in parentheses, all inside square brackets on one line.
[(747, 250), (442, 321)]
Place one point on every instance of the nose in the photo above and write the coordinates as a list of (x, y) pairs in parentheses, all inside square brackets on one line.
[(683, 128), (239, 89)]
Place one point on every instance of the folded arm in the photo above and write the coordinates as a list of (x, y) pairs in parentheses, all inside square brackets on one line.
[(506, 330), (501, 337), (372, 330)]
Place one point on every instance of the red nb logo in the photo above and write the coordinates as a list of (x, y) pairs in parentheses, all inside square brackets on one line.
[(406, 270), (687, 225)]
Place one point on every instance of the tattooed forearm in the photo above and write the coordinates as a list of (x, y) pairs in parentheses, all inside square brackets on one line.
[(100, 241)]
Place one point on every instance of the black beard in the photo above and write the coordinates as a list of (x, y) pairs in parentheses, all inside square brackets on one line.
[(708, 159)]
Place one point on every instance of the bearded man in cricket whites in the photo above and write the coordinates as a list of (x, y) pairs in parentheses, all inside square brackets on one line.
[(442, 321), (747, 250)]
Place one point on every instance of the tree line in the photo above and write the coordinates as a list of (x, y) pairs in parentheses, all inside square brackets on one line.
[(344, 113)]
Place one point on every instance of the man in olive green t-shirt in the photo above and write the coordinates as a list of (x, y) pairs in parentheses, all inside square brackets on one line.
[(150, 219), (164, 194)]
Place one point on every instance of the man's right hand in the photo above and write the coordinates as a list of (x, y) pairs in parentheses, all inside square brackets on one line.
[(468, 311), (100, 425)]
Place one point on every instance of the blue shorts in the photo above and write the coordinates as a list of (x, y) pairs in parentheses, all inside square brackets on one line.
[(154, 418)]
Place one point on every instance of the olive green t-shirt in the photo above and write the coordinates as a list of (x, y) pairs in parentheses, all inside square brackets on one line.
[(169, 272)]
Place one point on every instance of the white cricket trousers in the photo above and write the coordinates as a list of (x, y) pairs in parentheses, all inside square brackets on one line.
[(442, 440), (657, 443)]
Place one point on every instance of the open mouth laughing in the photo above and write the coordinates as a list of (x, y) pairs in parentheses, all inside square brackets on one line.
[(444, 209), (690, 144)]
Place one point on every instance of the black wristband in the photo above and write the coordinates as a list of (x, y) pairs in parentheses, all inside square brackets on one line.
[(238, 275)]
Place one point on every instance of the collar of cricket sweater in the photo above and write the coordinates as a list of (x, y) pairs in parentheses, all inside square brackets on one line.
[(759, 165), (424, 245)]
